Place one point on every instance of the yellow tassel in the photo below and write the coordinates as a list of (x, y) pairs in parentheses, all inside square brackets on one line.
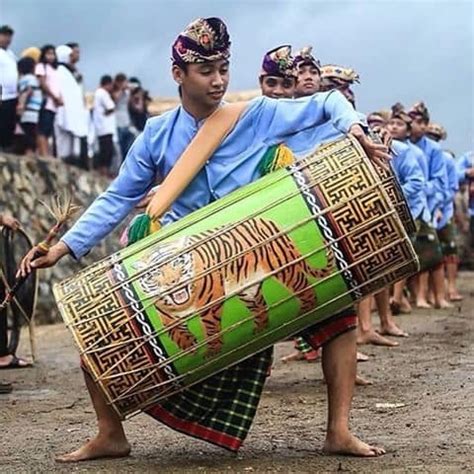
[(154, 226), (283, 157)]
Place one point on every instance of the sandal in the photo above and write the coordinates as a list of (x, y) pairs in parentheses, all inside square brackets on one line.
[(16, 363)]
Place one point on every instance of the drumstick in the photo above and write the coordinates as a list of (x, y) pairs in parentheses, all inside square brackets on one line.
[(62, 213)]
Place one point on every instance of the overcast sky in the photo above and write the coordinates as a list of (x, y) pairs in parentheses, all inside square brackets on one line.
[(403, 50)]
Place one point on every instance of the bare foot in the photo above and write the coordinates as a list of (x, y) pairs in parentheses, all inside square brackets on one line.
[(443, 304), (294, 356), (98, 448), (423, 304), (349, 445), (392, 330), (371, 337), (360, 381), (362, 357), (455, 296)]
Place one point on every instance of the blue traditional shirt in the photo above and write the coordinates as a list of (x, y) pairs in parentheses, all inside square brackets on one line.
[(410, 176), (451, 187), (235, 163), (465, 162), (436, 169)]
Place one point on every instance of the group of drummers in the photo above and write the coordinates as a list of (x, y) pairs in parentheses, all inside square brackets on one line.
[(303, 105)]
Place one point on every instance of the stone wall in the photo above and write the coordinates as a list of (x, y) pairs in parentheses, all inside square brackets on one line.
[(25, 181)]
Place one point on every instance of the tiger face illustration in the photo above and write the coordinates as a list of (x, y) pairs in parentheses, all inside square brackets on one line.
[(221, 263)]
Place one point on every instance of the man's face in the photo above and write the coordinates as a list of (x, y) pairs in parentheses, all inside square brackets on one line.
[(398, 129), (308, 80), (278, 87), (75, 55), (204, 83), (418, 128), (5, 40)]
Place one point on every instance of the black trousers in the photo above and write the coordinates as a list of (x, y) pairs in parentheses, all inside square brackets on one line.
[(3, 324), (7, 122)]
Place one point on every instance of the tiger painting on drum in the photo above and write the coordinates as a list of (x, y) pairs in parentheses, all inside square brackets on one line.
[(201, 271)]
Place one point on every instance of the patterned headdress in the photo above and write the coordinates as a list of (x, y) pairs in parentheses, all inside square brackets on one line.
[(304, 57), (398, 111), (333, 76), (378, 118), (437, 131), (419, 110), (204, 39), (278, 62)]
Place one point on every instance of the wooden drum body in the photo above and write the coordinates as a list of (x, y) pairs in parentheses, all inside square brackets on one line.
[(233, 278)]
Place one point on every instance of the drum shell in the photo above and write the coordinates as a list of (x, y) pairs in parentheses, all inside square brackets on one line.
[(330, 213)]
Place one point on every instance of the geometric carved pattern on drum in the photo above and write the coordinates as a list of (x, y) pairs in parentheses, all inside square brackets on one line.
[(105, 330), (241, 258), (345, 183), (323, 224)]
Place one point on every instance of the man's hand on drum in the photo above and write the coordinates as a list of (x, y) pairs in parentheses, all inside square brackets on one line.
[(55, 253), (378, 153)]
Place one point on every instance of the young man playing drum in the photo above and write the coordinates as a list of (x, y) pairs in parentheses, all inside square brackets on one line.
[(201, 69)]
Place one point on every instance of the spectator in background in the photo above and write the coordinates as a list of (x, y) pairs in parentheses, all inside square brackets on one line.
[(71, 124), (121, 96), (138, 107), (30, 99), (104, 124), (8, 88), (32, 52), (75, 58), (46, 71)]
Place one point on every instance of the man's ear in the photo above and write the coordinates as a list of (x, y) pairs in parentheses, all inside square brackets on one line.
[(177, 73)]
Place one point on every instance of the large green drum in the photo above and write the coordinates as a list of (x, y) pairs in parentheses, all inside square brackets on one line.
[(233, 278)]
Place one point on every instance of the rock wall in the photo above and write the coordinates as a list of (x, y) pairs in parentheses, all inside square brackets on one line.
[(23, 183)]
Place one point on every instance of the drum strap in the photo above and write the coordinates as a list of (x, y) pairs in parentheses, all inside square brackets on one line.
[(214, 130)]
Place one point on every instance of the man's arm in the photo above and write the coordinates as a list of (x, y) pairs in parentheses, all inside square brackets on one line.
[(136, 177), (438, 179), (414, 181), (275, 120)]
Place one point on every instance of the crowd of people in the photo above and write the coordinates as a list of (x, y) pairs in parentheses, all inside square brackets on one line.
[(429, 177), (45, 110)]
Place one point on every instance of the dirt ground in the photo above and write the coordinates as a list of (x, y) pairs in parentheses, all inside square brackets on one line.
[(426, 424)]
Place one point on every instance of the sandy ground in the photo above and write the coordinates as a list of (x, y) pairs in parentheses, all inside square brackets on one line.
[(427, 424)]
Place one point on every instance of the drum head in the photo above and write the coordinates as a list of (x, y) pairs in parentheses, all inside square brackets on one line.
[(13, 247)]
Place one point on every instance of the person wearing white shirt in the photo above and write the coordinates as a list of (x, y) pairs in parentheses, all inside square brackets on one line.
[(104, 124), (8, 88)]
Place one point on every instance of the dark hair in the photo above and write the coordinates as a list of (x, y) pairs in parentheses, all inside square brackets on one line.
[(44, 50), (106, 79), (6, 30), (26, 65), (72, 45), (120, 77)]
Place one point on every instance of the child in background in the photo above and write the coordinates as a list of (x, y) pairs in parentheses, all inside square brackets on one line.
[(30, 99)]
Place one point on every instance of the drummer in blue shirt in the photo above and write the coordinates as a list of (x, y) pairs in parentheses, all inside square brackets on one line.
[(435, 191), (201, 70), (408, 164), (445, 226)]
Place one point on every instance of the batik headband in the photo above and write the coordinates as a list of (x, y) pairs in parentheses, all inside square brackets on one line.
[(203, 40)]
